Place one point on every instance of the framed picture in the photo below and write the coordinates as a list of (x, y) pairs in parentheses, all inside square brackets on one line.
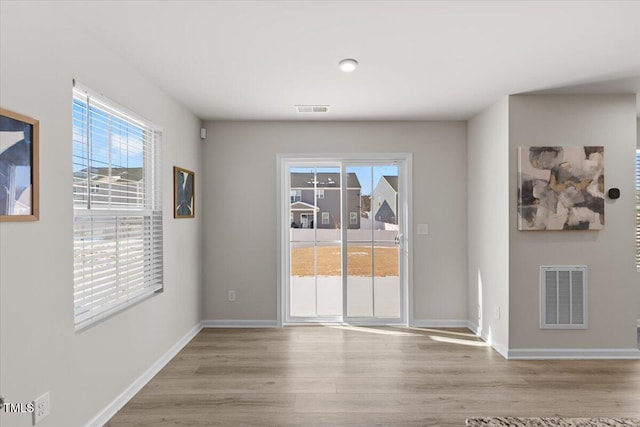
[(184, 199), (561, 188), (18, 167)]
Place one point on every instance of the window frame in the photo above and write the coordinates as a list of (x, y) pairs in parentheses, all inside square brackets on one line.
[(123, 237), (296, 195), (325, 217), (637, 159), (353, 218)]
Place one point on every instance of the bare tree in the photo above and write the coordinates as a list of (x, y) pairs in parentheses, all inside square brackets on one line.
[(365, 206)]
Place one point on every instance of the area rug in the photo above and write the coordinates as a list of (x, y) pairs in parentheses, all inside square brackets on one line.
[(552, 422)]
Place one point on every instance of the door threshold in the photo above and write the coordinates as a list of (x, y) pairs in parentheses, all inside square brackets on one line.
[(360, 324)]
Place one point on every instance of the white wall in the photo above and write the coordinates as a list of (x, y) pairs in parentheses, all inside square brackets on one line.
[(39, 350), (239, 204), (488, 223), (613, 283)]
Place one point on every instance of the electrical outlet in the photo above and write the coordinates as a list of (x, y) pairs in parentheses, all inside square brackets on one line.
[(41, 408), (498, 312), (232, 296)]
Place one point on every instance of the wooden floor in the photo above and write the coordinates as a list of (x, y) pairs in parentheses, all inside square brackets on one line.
[(346, 376)]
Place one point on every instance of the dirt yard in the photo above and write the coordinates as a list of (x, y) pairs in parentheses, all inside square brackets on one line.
[(359, 261)]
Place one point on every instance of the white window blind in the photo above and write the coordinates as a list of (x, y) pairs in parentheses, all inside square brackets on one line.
[(638, 209), (117, 209)]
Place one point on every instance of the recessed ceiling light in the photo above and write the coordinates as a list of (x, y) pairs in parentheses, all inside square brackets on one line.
[(348, 65)]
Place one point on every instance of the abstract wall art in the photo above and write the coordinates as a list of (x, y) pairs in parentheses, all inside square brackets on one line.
[(561, 188), (183, 194), (18, 167)]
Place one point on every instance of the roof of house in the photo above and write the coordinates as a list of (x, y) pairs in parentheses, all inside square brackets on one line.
[(302, 206), (324, 180), (129, 174), (392, 180)]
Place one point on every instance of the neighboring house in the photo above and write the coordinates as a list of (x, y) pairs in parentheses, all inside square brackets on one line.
[(121, 186), (326, 202), (385, 200)]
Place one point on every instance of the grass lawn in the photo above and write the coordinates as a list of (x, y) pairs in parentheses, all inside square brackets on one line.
[(359, 261)]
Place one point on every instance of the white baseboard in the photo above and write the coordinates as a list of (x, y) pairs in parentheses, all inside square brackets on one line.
[(500, 348), (550, 354), (240, 323), (425, 323), (441, 323), (473, 327), (112, 408), (572, 353)]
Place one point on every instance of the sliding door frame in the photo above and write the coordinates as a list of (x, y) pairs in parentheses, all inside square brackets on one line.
[(283, 162)]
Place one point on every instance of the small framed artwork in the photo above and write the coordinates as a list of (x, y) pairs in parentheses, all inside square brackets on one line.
[(18, 167), (184, 199)]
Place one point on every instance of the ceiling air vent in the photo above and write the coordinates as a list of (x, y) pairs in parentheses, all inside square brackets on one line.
[(312, 108), (563, 297)]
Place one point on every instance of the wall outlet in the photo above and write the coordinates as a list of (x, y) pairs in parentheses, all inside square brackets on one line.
[(232, 296), (498, 312), (41, 408)]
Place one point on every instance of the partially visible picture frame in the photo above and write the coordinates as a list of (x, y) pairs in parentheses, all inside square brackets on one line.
[(184, 197), (19, 167)]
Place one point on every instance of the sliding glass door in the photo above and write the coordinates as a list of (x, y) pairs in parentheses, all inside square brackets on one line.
[(315, 243), (344, 261), (373, 243)]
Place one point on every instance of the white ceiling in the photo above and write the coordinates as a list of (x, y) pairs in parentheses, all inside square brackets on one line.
[(418, 60)]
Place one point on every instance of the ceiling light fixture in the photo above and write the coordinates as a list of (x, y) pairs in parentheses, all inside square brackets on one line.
[(348, 65)]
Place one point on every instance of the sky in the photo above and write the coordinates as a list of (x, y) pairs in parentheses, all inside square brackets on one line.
[(113, 140), (638, 168)]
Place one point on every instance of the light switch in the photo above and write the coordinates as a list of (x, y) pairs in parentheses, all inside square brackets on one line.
[(423, 229)]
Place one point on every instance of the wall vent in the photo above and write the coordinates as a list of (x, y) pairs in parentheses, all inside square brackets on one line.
[(312, 108), (563, 297)]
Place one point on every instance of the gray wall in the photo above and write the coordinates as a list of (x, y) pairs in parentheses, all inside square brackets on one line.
[(244, 257), (613, 283), (488, 223), (39, 350)]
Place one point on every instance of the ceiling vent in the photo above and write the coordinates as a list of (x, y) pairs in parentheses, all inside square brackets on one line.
[(312, 108)]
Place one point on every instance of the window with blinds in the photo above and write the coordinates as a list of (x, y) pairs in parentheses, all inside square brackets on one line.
[(638, 208), (117, 209)]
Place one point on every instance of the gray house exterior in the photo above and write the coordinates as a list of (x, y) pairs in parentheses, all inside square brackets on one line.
[(385, 200), (323, 200), (115, 187)]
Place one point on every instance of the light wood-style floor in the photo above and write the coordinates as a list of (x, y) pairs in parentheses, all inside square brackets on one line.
[(346, 376)]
